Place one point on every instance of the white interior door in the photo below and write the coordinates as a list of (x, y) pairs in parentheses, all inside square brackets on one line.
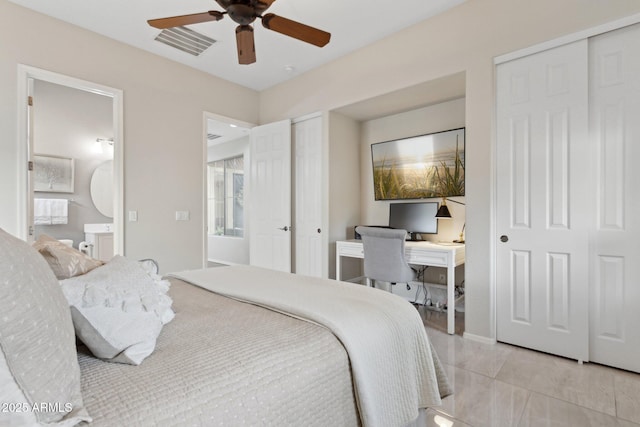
[(270, 212), (309, 232), (615, 131), (542, 201)]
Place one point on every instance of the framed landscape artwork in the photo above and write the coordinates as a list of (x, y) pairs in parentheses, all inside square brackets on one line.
[(53, 174), (419, 167)]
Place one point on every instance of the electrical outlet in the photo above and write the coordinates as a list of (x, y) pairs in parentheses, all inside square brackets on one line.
[(443, 278)]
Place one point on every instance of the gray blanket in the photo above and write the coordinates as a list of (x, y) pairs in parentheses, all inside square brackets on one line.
[(225, 363)]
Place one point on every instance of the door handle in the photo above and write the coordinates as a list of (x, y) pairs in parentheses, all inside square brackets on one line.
[(504, 238), (285, 228)]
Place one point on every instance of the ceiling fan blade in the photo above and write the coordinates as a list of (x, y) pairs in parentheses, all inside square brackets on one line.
[(262, 5), (178, 21), (246, 44), (296, 30)]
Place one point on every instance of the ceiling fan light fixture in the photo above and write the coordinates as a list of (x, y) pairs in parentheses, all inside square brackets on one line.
[(242, 14)]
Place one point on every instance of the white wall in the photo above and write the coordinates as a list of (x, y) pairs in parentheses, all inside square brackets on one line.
[(344, 186), (435, 118), (227, 249), (463, 39), (163, 133)]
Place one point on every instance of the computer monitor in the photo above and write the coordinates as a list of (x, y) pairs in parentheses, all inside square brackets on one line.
[(416, 218)]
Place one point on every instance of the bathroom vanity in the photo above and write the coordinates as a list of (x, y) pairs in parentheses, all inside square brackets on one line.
[(98, 241)]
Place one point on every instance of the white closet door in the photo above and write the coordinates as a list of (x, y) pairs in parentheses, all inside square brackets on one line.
[(310, 255), (270, 213), (542, 206), (615, 261)]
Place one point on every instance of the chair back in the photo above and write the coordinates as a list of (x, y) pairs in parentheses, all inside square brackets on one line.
[(384, 258)]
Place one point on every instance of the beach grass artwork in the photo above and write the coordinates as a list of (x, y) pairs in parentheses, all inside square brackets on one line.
[(420, 167)]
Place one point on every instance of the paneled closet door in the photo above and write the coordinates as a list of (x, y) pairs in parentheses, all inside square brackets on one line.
[(615, 257), (310, 251), (543, 200)]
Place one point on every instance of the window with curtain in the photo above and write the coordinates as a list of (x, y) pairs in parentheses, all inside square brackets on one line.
[(225, 197)]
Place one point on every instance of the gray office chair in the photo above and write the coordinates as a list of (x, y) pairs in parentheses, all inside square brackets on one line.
[(384, 255)]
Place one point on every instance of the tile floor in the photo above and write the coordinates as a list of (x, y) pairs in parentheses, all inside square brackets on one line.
[(503, 385)]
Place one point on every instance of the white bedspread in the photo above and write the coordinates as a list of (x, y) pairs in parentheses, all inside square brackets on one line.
[(392, 364)]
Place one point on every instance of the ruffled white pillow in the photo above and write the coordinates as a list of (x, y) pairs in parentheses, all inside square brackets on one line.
[(118, 310)]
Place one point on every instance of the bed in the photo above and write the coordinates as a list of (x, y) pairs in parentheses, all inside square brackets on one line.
[(235, 356)]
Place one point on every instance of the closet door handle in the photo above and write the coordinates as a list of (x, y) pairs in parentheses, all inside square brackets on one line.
[(285, 228), (504, 238)]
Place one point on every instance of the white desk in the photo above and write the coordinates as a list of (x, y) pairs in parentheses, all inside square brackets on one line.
[(418, 253)]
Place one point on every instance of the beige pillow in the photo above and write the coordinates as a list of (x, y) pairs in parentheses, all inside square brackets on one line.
[(65, 261), (39, 369)]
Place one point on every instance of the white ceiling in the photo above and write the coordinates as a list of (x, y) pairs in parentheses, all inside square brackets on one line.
[(352, 23), (227, 132)]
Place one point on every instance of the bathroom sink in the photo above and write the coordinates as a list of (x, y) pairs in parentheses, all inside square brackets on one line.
[(98, 228)]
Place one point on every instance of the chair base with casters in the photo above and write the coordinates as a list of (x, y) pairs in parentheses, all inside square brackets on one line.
[(374, 284)]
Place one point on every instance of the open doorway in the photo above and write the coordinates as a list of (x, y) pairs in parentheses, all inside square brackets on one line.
[(71, 140), (227, 164)]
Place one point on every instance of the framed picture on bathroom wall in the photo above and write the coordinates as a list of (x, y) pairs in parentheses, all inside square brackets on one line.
[(53, 174)]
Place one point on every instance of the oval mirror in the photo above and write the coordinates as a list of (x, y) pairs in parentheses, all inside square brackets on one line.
[(102, 188)]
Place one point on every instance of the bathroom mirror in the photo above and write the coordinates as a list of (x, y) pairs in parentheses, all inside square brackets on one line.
[(102, 188)]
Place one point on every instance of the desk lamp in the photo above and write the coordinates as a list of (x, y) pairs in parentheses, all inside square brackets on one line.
[(443, 213)]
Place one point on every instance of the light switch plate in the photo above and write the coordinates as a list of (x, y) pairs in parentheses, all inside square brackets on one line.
[(182, 215), (133, 216)]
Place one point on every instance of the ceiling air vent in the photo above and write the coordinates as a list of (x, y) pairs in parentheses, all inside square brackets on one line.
[(212, 136), (185, 39)]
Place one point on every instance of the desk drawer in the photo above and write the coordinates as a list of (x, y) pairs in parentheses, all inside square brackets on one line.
[(354, 250), (426, 257)]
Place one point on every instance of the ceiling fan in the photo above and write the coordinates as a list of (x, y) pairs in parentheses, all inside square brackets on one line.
[(244, 12)]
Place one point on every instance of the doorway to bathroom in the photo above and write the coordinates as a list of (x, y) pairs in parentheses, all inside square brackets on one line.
[(73, 147)]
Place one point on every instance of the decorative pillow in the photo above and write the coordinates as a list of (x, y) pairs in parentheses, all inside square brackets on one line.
[(119, 309), (65, 261), (39, 369)]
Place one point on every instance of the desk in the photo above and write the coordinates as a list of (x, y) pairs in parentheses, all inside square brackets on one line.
[(430, 254)]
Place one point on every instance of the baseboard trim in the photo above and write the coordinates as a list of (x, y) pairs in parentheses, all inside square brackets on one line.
[(221, 262), (479, 338)]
